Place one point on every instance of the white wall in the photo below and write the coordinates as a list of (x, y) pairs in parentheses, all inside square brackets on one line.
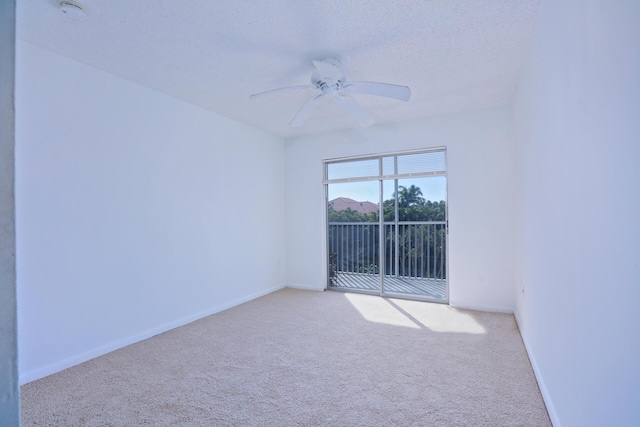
[(136, 212), (577, 123), (481, 189)]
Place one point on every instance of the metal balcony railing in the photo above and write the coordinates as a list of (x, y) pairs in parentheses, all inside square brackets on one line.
[(411, 249)]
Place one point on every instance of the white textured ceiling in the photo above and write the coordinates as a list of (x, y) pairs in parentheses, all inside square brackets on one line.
[(454, 55)]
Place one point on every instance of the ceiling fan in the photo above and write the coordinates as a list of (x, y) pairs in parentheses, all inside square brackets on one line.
[(330, 80)]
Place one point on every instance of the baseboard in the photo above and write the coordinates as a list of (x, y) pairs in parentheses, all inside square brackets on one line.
[(304, 287), (488, 308), (36, 374), (536, 371)]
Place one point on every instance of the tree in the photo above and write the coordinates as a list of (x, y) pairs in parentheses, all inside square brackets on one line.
[(410, 196), (350, 215)]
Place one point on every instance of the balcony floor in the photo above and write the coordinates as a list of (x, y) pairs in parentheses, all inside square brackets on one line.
[(409, 286)]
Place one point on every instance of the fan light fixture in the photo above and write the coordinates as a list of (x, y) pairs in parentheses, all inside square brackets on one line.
[(329, 81)]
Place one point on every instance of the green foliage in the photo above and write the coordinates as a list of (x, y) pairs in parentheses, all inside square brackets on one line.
[(411, 207), (349, 215)]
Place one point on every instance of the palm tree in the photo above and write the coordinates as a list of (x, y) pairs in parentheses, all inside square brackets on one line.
[(410, 196)]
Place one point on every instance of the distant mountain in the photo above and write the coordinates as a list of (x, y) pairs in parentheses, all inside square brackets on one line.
[(344, 203)]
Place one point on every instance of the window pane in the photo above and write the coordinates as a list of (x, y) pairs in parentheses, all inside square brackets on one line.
[(423, 162), (353, 169), (388, 166)]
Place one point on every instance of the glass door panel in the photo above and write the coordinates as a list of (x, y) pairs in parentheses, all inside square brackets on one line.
[(353, 236), (415, 243)]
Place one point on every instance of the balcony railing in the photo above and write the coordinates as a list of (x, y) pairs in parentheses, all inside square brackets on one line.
[(411, 249)]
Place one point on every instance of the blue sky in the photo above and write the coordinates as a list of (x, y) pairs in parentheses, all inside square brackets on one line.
[(433, 188)]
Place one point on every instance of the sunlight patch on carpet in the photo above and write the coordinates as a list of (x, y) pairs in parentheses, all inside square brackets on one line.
[(414, 314)]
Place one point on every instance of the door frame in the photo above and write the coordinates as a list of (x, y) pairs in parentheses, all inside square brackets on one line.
[(382, 247)]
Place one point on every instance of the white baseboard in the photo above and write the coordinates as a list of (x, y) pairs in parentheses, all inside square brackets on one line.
[(536, 371), (36, 374), (488, 308), (304, 287)]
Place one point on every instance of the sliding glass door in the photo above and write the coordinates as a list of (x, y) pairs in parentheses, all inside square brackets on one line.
[(387, 225), (354, 236)]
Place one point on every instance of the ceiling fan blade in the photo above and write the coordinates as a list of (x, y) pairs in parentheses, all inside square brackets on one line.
[(282, 89), (358, 113), (387, 90), (327, 69), (304, 112)]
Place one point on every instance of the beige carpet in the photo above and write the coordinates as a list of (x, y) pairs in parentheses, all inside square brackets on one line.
[(300, 358)]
